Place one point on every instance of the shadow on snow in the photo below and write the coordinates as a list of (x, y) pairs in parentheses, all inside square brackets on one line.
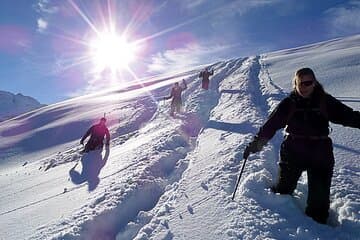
[(92, 163)]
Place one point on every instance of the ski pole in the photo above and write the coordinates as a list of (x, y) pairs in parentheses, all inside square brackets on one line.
[(238, 180), (77, 162), (75, 165)]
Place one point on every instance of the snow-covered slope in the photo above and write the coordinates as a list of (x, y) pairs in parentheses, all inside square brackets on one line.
[(172, 178), (12, 105)]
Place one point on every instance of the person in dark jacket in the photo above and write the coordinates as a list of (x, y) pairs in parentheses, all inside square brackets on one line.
[(305, 115), (175, 95), (97, 133), (205, 74)]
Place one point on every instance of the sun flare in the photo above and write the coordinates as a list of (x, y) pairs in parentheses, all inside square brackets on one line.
[(112, 51)]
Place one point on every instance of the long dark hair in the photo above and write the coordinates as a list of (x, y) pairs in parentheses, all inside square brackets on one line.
[(308, 71)]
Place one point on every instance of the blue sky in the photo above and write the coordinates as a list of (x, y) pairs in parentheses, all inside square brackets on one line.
[(44, 44)]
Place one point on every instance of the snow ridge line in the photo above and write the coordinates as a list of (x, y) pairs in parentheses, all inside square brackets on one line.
[(198, 98), (236, 92), (253, 107), (273, 95), (253, 95), (266, 95), (253, 100), (164, 207)]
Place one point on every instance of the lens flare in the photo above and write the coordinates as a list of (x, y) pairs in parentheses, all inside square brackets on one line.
[(112, 51)]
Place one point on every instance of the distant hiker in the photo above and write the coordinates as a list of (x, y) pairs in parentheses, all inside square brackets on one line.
[(175, 95), (205, 74), (305, 115), (97, 133)]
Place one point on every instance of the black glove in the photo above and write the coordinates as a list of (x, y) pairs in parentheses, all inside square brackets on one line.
[(246, 152), (255, 146), (81, 142)]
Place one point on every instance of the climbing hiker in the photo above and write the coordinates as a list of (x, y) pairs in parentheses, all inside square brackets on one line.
[(205, 74), (305, 115), (175, 96), (97, 133)]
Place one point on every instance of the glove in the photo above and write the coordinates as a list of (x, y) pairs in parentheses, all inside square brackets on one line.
[(81, 142), (255, 146), (246, 152)]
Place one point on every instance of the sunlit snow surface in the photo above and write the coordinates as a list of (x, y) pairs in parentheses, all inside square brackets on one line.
[(173, 178)]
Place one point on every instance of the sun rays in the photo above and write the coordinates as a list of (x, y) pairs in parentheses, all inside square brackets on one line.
[(110, 50)]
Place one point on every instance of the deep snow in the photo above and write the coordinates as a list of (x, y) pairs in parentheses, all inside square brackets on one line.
[(166, 178)]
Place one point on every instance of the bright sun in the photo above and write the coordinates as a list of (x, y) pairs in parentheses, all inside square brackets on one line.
[(112, 51)]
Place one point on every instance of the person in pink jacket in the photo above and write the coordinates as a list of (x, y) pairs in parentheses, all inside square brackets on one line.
[(97, 133)]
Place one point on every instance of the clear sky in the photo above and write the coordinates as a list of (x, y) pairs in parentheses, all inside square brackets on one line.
[(53, 50)]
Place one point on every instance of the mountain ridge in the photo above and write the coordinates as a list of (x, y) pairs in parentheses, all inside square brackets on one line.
[(12, 104)]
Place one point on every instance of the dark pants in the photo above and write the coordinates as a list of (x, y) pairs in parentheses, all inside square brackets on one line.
[(315, 157), (205, 84), (175, 107), (93, 144)]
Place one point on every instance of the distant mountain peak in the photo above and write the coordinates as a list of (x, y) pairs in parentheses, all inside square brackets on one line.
[(12, 105)]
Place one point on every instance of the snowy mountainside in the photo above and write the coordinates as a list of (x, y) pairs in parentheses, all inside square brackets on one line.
[(15, 104), (336, 59), (173, 178)]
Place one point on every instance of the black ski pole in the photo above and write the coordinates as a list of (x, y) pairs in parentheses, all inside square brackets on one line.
[(238, 180)]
